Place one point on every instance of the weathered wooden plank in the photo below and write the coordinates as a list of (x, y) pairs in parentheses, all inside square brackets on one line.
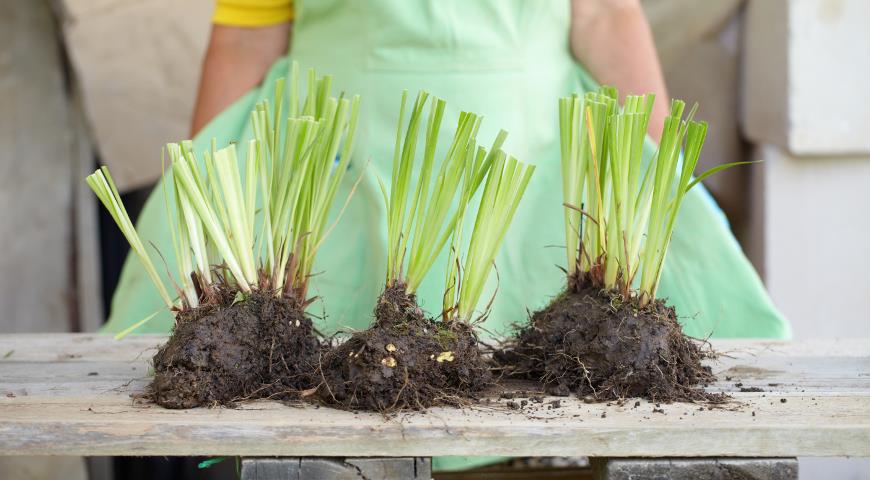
[(708, 469), (818, 405), (402, 468), (84, 427), (45, 346), (60, 347)]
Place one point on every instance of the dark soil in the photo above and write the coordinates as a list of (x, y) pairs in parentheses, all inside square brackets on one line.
[(262, 346), (404, 361), (589, 342)]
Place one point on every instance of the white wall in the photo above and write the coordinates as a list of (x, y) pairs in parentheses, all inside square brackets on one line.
[(806, 64), (817, 241), (805, 106)]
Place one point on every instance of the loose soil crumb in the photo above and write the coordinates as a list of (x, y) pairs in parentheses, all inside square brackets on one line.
[(589, 342), (404, 361), (751, 389), (262, 346)]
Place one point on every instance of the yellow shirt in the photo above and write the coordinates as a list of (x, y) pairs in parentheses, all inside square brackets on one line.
[(252, 13)]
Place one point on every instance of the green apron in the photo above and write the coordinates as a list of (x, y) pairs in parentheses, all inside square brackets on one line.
[(509, 61)]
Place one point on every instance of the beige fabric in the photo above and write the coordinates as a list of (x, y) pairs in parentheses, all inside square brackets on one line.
[(138, 65), (679, 25)]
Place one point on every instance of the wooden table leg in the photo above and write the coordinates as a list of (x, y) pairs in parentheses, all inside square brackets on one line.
[(403, 468), (692, 468)]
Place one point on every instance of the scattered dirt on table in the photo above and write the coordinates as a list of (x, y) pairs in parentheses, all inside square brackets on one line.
[(261, 346), (751, 389), (404, 361), (739, 371), (591, 343)]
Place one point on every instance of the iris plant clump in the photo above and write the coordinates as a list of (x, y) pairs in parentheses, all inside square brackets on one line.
[(422, 219), (620, 213), (257, 222), (407, 359)]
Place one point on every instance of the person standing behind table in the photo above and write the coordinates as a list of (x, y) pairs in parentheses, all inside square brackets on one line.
[(509, 60)]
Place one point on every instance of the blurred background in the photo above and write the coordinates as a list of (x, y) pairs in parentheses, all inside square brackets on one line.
[(88, 82)]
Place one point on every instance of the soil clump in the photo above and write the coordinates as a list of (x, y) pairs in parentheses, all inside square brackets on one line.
[(591, 343), (403, 361), (261, 346)]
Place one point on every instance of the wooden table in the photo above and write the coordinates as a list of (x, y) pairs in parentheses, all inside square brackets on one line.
[(70, 394)]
